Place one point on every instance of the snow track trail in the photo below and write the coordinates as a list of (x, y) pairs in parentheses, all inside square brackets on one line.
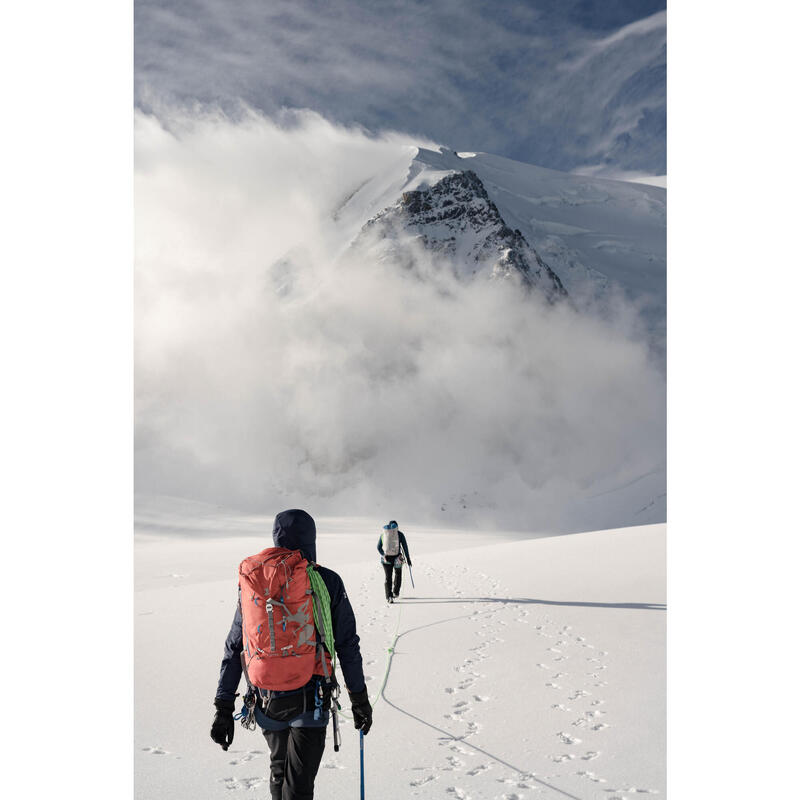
[(514, 670), (575, 728)]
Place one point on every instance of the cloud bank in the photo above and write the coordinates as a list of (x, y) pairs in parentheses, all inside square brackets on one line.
[(275, 367), (566, 84)]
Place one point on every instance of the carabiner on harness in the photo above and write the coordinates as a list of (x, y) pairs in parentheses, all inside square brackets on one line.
[(247, 715), (318, 698)]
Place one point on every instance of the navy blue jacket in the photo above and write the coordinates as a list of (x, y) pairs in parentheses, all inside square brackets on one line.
[(295, 530), (403, 547)]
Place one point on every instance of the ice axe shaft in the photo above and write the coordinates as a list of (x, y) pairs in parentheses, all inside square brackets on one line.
[(361, 747), (411, 575)]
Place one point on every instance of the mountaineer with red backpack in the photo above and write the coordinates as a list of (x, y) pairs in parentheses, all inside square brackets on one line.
[(393, 548), (292, 621)]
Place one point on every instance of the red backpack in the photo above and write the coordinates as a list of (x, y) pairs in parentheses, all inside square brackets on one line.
[(281, 648)]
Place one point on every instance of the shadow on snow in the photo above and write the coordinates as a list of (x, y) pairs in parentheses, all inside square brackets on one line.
[(533, 600)]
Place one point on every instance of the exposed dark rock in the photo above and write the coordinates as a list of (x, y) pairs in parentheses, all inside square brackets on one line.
[(456, 218)]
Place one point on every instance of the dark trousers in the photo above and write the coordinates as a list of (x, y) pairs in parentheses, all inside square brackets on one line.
[(295, 755), (398, 579)]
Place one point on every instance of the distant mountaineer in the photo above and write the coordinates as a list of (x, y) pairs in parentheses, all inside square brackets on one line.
[(393, 548)]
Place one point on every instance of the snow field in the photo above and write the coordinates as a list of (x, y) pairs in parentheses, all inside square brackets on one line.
[(520, 668)]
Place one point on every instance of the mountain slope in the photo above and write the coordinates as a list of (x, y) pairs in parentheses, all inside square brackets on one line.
[(593, 236)]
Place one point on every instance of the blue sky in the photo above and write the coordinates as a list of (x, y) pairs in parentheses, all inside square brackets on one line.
[(569, 84)]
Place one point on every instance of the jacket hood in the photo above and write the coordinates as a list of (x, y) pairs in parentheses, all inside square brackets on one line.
[(295, 530)]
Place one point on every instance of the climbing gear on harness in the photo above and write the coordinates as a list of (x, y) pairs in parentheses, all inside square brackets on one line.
[(247, 715)]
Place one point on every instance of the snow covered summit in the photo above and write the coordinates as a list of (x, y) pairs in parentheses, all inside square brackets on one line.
[(455, 217), (492, 216)]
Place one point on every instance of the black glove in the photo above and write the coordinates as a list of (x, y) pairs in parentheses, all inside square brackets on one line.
[(362, 710), (222, 727)]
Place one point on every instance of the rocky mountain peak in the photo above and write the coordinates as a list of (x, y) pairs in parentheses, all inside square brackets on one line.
[(454, 216)]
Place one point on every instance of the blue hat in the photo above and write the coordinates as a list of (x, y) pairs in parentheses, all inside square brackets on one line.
[(391, 525)]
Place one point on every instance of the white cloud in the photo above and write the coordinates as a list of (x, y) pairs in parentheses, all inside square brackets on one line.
[(273, 370)]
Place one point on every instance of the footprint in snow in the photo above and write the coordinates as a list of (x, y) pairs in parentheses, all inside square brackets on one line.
[(248, 756), (423, 781), (459, 793), (479, 769), (235, 784), (567, 738), (156, 751), (472, 727), (590, 755), (563, 757), (591, 776), (518, 782)]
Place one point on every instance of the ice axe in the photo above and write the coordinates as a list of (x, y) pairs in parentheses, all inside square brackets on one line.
[(411, 575), (361, 745)]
